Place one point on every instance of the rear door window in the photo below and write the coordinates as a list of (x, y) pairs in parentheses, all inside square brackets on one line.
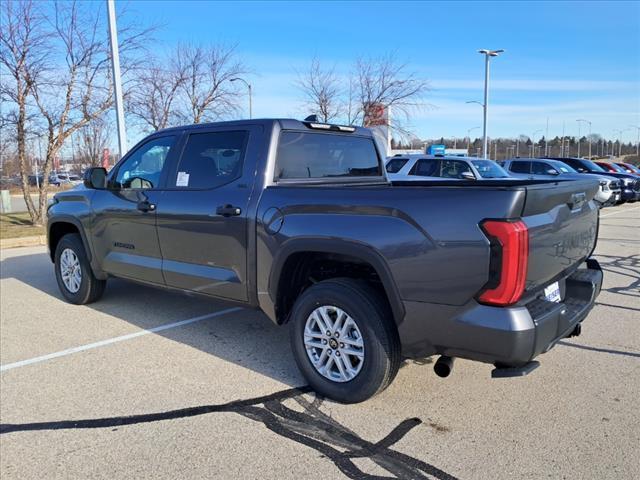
[(210, 160), (520, 167), (396, 164), (426, 167), (304, 155)]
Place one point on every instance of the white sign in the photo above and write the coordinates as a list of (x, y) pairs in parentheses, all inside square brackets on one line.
[(182, 180)]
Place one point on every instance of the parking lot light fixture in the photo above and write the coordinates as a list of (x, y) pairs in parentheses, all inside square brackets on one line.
[(579, 137), (250, 93), (533, 143), (469, 137), (487, 55)]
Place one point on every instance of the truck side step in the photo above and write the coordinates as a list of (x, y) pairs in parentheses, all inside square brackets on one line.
[(506, 372)]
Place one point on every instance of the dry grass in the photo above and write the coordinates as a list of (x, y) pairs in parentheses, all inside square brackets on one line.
[(14, 225)]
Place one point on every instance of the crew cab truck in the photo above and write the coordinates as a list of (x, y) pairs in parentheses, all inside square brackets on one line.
[(299, 220)]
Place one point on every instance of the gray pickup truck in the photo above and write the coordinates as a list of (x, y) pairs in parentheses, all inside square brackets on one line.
[(299, 220)]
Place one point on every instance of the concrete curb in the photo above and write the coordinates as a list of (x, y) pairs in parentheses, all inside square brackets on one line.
[(23, 241)]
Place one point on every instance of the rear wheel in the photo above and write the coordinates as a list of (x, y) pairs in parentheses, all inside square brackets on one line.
[(344, 340), (76, 280)]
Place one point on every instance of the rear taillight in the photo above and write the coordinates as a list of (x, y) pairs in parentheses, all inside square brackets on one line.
[(509, 261)]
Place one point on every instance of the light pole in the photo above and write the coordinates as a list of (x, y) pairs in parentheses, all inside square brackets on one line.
[(533, 143), (117, 81), (637, 140), (579, 122), (487, 55), (469, 137), (249, 88)]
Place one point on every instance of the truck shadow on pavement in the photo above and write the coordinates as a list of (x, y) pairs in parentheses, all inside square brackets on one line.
[(310, 427), (627, 267), (247, 339)]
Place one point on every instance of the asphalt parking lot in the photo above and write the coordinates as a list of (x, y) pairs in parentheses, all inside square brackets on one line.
[(147, 383)]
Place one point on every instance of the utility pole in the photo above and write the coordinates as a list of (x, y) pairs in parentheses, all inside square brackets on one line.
[(487, 54), (562, 152), (117, 81)]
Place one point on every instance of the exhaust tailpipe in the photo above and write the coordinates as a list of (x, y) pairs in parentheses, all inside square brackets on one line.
[(443, 366)]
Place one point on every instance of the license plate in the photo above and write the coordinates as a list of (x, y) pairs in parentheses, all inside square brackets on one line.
[(552, 292)]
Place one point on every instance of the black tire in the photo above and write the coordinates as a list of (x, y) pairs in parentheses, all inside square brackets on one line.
[(91, 288), (375, 322)]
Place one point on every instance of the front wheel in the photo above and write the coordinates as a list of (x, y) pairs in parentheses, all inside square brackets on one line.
[(76, 280), (344, 340)]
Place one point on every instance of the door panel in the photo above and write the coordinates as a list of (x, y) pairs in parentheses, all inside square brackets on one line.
[(124, 237), (203, 231), (124, 232)]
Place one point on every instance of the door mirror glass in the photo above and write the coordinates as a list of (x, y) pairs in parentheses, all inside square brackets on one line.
[(468, 175), (553, 171), (95, 178)]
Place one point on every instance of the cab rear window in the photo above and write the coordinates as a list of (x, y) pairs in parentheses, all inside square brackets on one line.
[(303, 155)]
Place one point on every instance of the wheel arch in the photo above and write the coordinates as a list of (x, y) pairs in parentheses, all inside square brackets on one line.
[(338, 250), (61, 225)]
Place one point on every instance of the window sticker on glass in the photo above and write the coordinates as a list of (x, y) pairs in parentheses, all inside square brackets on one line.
[(182, 180)]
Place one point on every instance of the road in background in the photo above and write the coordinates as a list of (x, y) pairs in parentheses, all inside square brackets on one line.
[(220, 397)]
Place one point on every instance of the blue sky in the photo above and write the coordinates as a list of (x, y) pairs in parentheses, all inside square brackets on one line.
[(563, 60)]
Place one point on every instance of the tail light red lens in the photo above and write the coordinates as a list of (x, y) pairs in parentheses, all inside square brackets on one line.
[(509, 261)]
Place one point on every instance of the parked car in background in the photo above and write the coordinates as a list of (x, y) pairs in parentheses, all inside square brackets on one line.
[(299, 220), (629, 168), (630, 185), (409, 166), (35, 180), (614, 167), (64, 179), (537, 168)]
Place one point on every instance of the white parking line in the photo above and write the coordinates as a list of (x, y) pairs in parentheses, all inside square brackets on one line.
[(109, 341), (619, 211)]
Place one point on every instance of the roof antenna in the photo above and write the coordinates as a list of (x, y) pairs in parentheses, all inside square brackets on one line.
[(311, 118)]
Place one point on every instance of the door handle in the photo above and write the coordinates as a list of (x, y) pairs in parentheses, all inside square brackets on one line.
[(146, 206), (228, 210)]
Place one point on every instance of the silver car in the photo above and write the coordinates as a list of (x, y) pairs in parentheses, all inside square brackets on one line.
[(416, 166)]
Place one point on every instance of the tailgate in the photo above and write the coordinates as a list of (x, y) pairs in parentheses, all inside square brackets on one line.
[(563, 226)]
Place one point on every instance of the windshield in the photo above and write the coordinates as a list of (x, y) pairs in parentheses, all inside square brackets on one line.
[(489, 169), (592, 167), (618, 168), (563, 167)]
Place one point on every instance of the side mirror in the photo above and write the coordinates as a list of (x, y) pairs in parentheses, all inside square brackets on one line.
[(95, 178), (468, 176), (553, 171)]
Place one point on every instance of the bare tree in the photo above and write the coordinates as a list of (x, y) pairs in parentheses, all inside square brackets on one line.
[(322, 91), (59, 60), (383, 82), (23, 54), (153, 96), (207, 71)]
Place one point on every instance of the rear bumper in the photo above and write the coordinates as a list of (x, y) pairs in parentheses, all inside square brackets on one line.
[(506, 336)]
